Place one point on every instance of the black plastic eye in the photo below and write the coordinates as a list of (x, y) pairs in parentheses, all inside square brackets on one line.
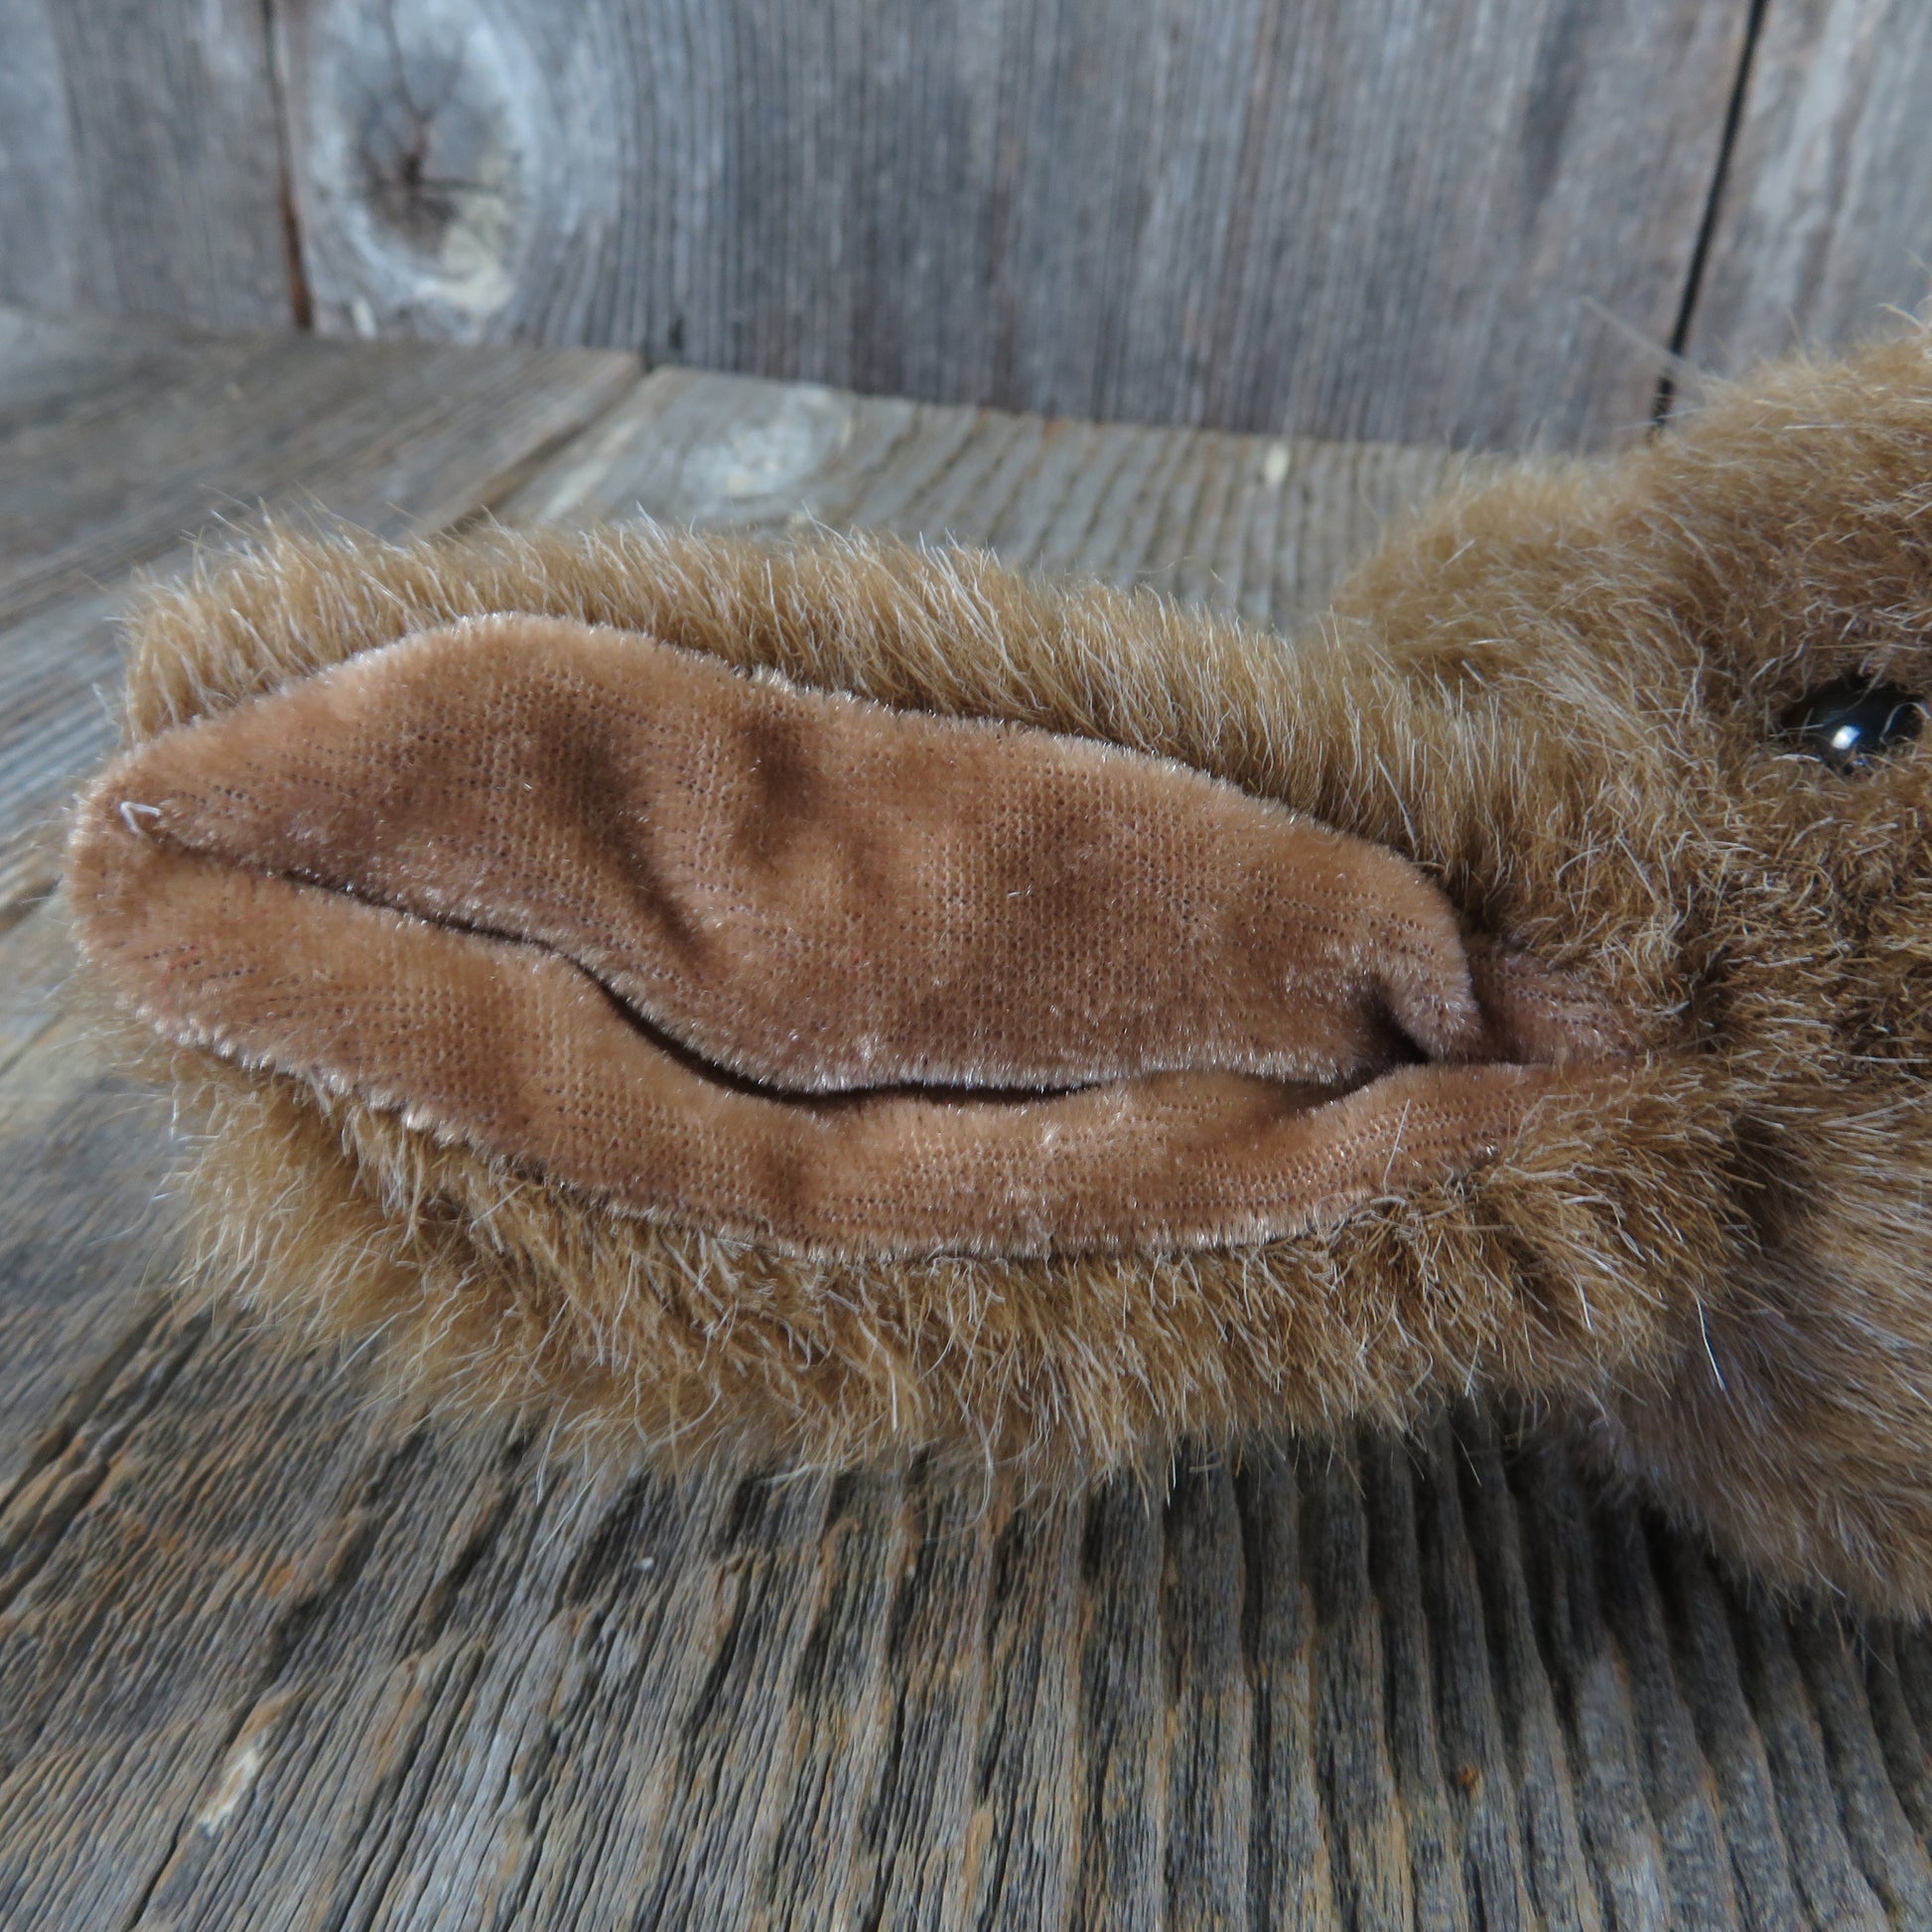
[(1853, 721)]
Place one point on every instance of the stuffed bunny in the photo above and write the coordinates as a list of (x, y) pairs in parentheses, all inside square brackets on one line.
[(837, 999)]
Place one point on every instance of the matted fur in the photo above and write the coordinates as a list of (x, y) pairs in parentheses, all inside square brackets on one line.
[(1560, 697)]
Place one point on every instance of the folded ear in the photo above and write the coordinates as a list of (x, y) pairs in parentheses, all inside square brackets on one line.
[(784, 963)]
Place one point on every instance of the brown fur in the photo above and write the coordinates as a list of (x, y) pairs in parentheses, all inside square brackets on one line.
[(1559, 698)]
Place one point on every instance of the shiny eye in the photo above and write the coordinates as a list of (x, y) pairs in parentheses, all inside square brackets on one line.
[(1852, 721)]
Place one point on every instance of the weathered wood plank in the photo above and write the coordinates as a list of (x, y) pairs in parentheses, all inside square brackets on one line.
[(1023, 1840), (1470, 1720), (1368, 1833), (181, 1465), (835, 1726), (1437, 1853), (1291, 1880), (1592, 1699), (84, 1262), (140, 162), (110, 461), (1827, 203), (59, 669), (1391, 221), (1257, 525), (1560, 1882), (1708, 1673), (908, 1858), (1210, 1755), (1889, 1850), (1823, 1863), (1681, 1792), (117, 444), (1123, 1819)]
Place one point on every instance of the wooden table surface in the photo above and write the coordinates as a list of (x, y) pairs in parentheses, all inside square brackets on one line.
[(273, 1654)]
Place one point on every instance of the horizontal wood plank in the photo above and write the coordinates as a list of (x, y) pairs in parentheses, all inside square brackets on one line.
[(118, 446), (112, 460), (1263, 526), (1387, 220)]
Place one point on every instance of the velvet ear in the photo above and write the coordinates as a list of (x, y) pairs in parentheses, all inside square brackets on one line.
[(790, 965)]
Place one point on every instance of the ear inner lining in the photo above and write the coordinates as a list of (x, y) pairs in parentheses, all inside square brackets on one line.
[(818, 892), (536, 884), (510, 1048)]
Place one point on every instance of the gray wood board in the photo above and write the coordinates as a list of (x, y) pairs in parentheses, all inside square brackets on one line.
[(1260, 525), (277, 1653), (1826, 216), (1388, 221), (140, 161), (118, 444), (1477, 225)]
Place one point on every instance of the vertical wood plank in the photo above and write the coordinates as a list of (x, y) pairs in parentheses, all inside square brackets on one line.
[(1826, 216), (82, 1264), (1023, 1834), (1896, 1725), (1470, 1720), (140, 162), (1684, 1800), (1823, 1865), (1558, 1875), (1591, 1680), (909, 1857), (1344, 217), (1709, 1678), (1889, 1850), (201, 1437), (834, 1724)]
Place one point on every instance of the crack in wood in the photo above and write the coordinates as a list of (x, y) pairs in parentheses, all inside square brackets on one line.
[(83, 1397), (302, 308), (1680, 335)]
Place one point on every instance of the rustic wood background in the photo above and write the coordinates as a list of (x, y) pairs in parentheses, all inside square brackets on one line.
[(276, 1654), (1488, 222)]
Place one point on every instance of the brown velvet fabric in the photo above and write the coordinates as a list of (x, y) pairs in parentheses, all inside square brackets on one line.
[(817, 891), (582, 829)]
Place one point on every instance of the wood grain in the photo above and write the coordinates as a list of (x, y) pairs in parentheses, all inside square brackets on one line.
[(1827, 205), (140, 162), (113, 457), (1479, 224), (1392, 219), (117, 444), (278, 1652), (1263, 526)]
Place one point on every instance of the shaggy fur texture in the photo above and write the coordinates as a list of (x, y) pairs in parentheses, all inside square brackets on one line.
[(1562, 699)]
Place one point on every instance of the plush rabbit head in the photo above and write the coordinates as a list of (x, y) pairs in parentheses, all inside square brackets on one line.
[(840, 999)]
